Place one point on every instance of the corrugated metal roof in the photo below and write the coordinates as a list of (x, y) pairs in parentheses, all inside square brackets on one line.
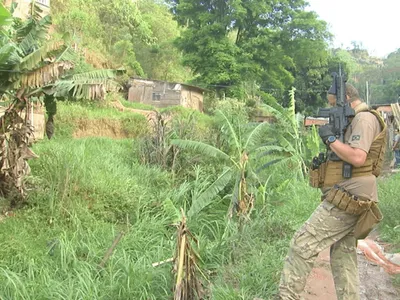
[(149, 81)]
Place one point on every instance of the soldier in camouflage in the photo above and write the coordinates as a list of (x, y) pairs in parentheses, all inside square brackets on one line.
[(331, 225)]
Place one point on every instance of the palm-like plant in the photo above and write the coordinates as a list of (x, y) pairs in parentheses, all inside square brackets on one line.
[(32, 65), (236, 167), (288, 135)]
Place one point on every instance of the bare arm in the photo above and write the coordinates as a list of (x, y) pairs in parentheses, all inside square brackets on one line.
[(353, 156)]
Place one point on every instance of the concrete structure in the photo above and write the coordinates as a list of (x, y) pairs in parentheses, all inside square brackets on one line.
[(23, 7), (163, 94), (38, 120)]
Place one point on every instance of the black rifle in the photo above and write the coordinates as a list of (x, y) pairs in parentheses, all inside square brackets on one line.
[(339, 116)]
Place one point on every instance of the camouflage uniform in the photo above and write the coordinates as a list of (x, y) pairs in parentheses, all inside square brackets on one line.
[(327, 226), (331, 227)]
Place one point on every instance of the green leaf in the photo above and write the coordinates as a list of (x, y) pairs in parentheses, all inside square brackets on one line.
[(88, 77), (207, 196), (5, 16), (36, 58), (255, 137), (91, 85), (171, 211), (200, 147), (9, 56), (233, 133), (33, 34), (270, 149)]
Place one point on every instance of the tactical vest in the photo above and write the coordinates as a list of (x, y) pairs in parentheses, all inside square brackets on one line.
[(374, 161)]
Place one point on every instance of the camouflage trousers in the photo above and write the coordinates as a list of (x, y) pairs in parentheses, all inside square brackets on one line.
[(327, 227)]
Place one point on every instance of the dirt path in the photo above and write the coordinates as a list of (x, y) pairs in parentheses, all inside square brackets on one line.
[(376, 284)]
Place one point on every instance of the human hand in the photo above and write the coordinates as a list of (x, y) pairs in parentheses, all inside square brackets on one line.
[(325, 132)]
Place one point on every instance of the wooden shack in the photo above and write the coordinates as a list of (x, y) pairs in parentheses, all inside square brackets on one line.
[(164, 94)]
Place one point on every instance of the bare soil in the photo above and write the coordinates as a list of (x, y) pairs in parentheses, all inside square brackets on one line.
[(96, 128), (106, 127)]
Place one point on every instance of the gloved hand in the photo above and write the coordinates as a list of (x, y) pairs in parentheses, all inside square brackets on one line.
[(325, 132)]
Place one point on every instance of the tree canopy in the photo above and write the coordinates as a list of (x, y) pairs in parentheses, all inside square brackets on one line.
[(254, 51), (274, 45)]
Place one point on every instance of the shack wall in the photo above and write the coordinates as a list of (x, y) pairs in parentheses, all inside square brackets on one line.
[(164, 94)]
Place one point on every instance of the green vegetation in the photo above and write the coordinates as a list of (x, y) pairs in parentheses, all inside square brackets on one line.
[(72, 116), (389, 228), (86, 191), (137, 36), (136, 105), (83, 192), (107, 172), (233, 48)]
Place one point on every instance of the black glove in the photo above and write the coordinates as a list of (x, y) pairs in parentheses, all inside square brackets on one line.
[(325, 132)]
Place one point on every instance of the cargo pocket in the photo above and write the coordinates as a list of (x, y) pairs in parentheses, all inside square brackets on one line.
[(305, 242)]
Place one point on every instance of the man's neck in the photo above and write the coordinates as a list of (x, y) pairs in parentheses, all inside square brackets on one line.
[(355, 103)]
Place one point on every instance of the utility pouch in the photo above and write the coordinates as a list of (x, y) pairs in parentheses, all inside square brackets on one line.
[(347, 202), (367, 221), (369, 212), (337, 197), (317, 176)]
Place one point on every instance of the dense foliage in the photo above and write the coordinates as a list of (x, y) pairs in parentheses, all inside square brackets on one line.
[(234, 46), (135, 35), (249, 50)]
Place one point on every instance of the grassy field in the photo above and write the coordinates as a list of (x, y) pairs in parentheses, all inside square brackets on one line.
[(84, 192)]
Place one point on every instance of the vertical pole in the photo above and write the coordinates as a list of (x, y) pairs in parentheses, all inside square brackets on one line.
[(367, 93)]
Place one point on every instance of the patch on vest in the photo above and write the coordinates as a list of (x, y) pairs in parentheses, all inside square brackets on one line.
[(355, 138)]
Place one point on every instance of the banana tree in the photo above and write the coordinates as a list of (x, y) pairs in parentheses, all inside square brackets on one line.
[(236, 167), (92, 85), (31, 64), (288, 135)]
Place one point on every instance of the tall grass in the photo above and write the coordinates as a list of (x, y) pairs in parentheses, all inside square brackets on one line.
[(389, 191), (389, 228), (84, 192), (136, 105)]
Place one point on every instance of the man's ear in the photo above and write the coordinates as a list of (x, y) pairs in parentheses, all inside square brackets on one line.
[(347, 97)]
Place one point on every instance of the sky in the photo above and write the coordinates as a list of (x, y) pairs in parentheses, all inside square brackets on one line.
[(373, 23)]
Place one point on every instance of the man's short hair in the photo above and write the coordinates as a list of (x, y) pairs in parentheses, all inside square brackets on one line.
[(352, 92)]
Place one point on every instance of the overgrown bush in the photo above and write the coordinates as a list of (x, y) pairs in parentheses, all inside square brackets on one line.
[(168, 123)]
